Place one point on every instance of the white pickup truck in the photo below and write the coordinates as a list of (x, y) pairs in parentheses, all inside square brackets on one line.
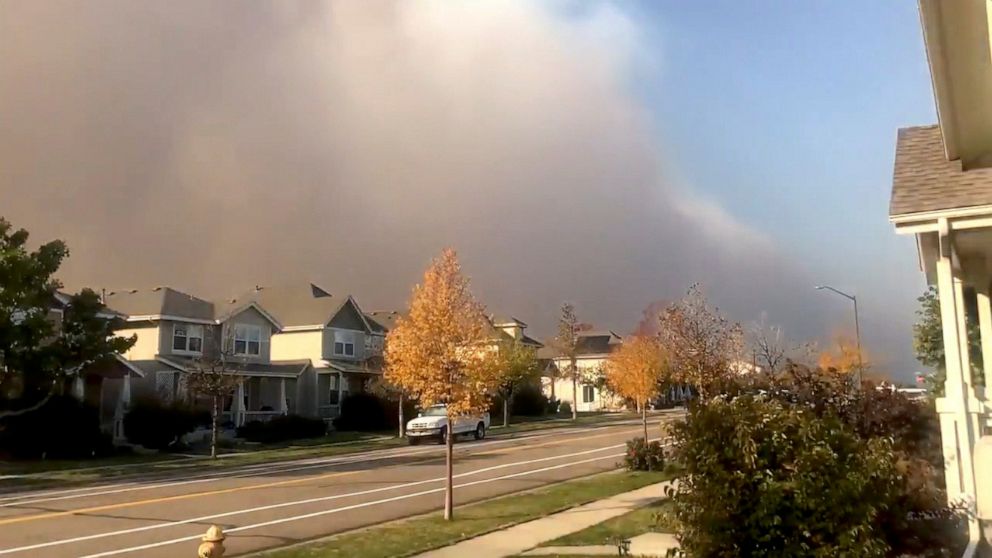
[(432, 424)]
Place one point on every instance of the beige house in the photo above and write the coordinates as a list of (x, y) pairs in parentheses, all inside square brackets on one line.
[(173, 329), (331, 332), (594, 348), (942, 196)]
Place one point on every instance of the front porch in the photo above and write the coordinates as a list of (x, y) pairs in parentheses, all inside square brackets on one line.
[(260, 398)]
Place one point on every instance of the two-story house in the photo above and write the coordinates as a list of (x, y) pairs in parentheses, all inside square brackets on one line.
[(592, 350), (102, 385), (331, 332), (174, 330)]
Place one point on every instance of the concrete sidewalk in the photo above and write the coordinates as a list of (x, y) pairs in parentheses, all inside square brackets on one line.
[(515, 540)]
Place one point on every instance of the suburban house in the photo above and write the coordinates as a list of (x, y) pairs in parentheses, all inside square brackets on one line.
[(329, 331), (174, 330), (942, 196), (593, 348), (100, 384)]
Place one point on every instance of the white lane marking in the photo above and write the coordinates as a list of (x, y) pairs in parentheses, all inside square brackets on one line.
[(299, 502), (348, 508), (267, 466), (247, 471)]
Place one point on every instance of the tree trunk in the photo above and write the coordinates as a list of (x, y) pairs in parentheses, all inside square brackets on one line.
[(213, 427), (644, 420), (506, 411), (575, 392), (449, 489), (402, 423)]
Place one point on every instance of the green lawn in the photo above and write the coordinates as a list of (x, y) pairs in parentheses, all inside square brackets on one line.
[(413, 536), (629, 525)]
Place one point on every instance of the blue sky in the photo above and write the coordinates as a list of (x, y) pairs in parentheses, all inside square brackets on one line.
[(785, 113)]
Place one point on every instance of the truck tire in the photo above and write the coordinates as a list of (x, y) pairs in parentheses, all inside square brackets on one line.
[(480, 431)]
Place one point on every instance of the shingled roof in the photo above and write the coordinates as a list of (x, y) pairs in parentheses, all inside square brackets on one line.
[(924, 180), (160, 301)]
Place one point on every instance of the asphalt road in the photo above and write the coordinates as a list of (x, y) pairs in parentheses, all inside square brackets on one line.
[(270, 505)]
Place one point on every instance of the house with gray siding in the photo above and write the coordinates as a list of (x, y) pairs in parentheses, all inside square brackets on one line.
[(175, 329)]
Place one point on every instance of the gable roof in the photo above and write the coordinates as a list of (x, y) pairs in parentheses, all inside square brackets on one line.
[(924, 180), (159, 303), (231, 307), (302, 305)]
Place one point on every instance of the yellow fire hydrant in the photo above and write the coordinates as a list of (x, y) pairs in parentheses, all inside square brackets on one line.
[(213, 543)]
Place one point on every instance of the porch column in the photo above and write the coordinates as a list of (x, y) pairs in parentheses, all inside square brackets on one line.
[(238, 405), (126, 391), (957, 428), (985, 327), (283, 405), (78, 386), (340, 390)]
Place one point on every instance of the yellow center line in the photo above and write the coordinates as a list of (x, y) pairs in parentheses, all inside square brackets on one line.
[(107, 507)]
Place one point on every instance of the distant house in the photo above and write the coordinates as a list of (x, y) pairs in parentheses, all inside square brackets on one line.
[(593, 349), (174, 329)]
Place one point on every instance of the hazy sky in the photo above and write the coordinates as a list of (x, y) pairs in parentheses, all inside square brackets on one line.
[(605, 153)]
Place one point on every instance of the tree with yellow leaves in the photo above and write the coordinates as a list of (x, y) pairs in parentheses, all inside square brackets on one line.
[(440, 353), (635, 371), (844, 357)]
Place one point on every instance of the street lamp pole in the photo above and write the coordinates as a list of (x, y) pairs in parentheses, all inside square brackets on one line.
[(857, 326)]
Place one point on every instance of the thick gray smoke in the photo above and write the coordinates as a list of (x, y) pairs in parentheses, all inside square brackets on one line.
[(217, 145)]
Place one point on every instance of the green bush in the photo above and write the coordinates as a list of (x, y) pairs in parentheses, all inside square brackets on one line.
[(565, 407), (762, 477), (528, 401), (156, 425), (553, 404), (644, 457), (63, 428), (282, 429)]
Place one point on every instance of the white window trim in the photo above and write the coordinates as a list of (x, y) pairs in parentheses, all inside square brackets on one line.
[(189, 328), (247, 338)]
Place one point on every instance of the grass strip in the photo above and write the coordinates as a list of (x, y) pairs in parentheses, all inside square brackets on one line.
[(649, 519), (413, 536)]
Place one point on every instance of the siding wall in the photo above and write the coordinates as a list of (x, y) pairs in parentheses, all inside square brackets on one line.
[(298, 345)]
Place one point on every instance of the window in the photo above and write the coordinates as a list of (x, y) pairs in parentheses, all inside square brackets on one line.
[(187, 338), (344, 348), (247, 340), (165, 385), (588, 394)]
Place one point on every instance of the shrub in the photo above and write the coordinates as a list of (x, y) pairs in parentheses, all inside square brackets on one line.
[(553, 405), (283, 428), (644, 457), (156, 425), (365, 412), (565, 408), (63, 428), (764, 477), (528, 401)]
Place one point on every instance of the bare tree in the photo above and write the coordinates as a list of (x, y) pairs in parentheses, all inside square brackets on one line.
[(771, 351), (215, 378), (703, 346), (566, 344)]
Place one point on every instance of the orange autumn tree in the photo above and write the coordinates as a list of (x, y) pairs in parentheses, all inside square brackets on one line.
[(844, 357), (440, 352), (635, 371)]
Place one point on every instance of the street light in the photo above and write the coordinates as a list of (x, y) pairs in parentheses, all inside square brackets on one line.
[(857, 326)]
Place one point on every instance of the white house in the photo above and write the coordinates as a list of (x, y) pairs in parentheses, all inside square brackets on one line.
[(593, 348)]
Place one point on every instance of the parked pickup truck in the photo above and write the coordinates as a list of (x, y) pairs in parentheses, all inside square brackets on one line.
[(432, 424)]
